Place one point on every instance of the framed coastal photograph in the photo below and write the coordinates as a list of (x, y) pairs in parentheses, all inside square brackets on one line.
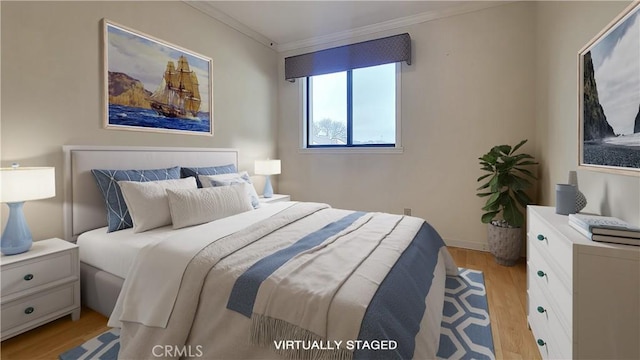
[(151, 85), (609, 97)]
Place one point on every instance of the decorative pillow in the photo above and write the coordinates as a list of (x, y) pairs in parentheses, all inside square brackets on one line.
[(211, 170), (118, 217), (230, 179), (198, 206), (147, 201)]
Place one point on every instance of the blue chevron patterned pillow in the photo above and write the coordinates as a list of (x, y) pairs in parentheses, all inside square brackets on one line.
[(118, 216)]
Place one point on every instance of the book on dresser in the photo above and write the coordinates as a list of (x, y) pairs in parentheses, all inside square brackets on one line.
[(605, 229)]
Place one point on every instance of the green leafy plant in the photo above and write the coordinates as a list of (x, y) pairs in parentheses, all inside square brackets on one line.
[(506, 182)]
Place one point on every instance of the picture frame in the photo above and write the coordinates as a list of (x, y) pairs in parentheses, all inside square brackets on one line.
[(609, 97), (152, 85)]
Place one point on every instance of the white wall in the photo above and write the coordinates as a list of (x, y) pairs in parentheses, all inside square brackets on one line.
[(471, 86), (52, 86), (563, 28), (493, 76)]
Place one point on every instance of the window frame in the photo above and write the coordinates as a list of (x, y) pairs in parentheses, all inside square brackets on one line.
[(349, 147)]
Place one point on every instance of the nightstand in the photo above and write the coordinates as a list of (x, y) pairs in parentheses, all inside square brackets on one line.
[(38, 286), (274, 198)]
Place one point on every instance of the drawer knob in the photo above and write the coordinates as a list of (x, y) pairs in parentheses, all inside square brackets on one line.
[(541, 273), (541, 310), (541, 342), (541, 237), (29, 310), (28, 277)]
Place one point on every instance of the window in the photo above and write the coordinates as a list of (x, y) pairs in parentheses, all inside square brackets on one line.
[(353, 108)]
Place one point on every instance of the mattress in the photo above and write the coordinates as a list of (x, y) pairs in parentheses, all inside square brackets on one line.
[(115, 252)]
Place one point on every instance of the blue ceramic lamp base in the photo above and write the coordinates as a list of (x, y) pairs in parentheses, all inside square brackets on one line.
[(268, 189), (16, 237)]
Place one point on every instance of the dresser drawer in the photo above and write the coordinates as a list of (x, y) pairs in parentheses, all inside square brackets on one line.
[(550, 244), (35, 307), (30, 274), (543, 276), (541, 310), (552, 345)]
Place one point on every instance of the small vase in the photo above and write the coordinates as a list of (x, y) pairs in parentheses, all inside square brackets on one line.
[(565, 199), (581, 200)]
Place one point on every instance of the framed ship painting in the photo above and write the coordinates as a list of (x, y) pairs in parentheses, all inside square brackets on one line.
[(151, 85), (609, 97)]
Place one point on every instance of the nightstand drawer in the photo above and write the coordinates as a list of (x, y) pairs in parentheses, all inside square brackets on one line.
[(37, 306), (36, 272)]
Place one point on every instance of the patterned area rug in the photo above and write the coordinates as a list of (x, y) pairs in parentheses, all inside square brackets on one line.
[(465, 331), (104, 347)]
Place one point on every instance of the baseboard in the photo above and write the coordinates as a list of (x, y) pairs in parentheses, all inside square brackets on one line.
[(472, 245), (476, 246)]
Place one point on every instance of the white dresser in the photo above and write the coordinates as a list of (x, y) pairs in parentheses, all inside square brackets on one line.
[(583, 296), (39, 286)]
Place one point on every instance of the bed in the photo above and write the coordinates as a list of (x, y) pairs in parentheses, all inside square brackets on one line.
[(289, 280)]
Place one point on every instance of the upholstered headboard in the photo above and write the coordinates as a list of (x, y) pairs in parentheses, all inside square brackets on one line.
[(84, 207)]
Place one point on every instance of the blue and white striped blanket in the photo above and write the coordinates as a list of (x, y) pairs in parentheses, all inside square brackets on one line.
[(309, 282)]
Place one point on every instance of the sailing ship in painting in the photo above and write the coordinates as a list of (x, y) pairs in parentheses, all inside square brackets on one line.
[(178, 95), (176, 104), (155, 86)]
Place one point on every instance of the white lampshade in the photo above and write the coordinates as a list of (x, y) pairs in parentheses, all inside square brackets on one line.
[(19, 184), (267, 167)]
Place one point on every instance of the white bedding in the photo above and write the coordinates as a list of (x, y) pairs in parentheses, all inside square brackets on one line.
[(115, 252), (159, 292), (201, 317)]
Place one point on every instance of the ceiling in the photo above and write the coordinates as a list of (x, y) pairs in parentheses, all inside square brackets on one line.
[(288, 25)]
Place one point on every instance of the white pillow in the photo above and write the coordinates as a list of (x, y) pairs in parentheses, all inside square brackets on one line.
[(231, 179), (198, 206), (147, 201), (206, 179)]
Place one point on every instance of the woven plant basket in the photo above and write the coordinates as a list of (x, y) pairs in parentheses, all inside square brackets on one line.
[(505, 244)]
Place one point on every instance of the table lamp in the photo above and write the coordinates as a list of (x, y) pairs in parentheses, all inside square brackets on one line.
[(267, 168), (17, 185)]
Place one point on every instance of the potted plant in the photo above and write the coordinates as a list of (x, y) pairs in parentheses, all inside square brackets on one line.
[(505, 186)]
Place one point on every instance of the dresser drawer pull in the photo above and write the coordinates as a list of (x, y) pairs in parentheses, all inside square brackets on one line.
[(29, 310), (541, 273), (541, 310), (541, 237), (28, 277), (541, 342)]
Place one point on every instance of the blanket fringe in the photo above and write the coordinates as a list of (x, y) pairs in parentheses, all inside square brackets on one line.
[(265, 331)]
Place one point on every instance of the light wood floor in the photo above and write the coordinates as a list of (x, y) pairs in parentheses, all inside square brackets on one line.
[(507, 298), (506, 291)]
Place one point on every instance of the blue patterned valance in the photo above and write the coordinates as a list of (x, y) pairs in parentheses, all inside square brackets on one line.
[(387, 50)]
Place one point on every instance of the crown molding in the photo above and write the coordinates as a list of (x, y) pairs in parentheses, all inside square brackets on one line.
[(343, 36), (388, 25), (208, 9)]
